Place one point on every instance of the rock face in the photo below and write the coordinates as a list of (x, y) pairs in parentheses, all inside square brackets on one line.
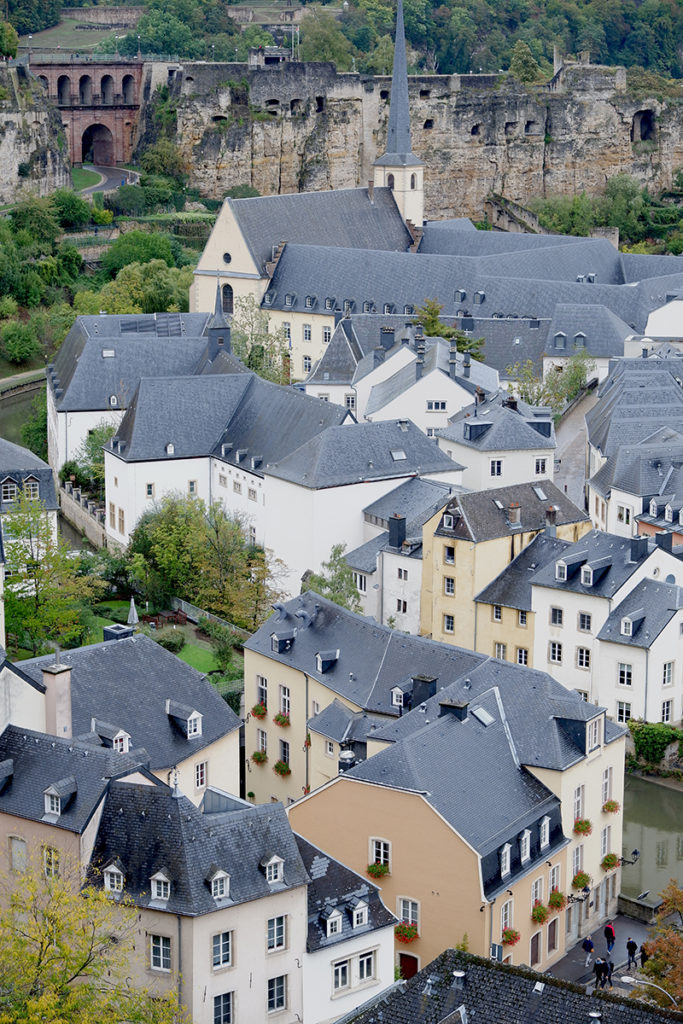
[(297, 127), (33, 156)]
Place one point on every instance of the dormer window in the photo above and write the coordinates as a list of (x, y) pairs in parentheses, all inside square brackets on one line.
[(348, 304), (626, 627), (31, 488), (53, 804), (586, 576), (334, 924), (170, 448), (309, 302), (268, 298), (220, 885), (397, 697), (544, 832), (289, 299), (389, 308), (579, 340), (525, 846), (59, 795), (113, 401), (329, 303), (9, 490), (460, 295), (669, 514), (479, 298), (594, 734), (161, 887), (505, 860), (653, 507), (360, 914), (273, 867), (367, 306), (408, 310), (113, 879), (194, 725), (560, 571), (448, 522), (560, 340), (121, 742)]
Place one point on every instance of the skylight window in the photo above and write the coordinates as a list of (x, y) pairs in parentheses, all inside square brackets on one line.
[(540, 494), (108, 353), (398, 455), (483, 716)]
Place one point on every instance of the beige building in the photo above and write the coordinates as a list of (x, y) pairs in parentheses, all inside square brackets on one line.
[(467, 544)]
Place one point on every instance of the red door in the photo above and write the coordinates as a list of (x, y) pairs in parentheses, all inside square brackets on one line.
[(408, 965)]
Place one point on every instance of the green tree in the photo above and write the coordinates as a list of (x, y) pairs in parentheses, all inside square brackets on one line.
[(252, 36), (164, 157), (261, 350), (557, 387), (9, 40), (523, 66), (335, 580), (90, 455), (65, 952), (136, 247), (18, 342), (428, 316), (44, 596), (322, 39), (72, 211), (34, 429), (37, 218)]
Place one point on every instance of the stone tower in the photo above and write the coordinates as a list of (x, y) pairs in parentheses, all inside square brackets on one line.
[(399, 168)]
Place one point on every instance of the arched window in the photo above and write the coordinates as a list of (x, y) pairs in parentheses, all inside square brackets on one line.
[(390, 180), (226, 298), (128, 89), (413, 180), (85, 91), (64, 90)]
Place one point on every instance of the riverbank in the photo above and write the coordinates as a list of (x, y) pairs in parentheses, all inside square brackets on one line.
[(658, 780)]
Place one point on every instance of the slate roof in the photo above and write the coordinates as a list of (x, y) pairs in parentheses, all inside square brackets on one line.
[(352, 345), (593, 547), (148, 828), (512, 587), (372, 658), (491, 993), (459, 237), (334, 886), (338, 722), (508, 340), (651, 468), (127, 683), (340, 218), (638, 397), (480, 519), (20, 464), (660, 602), (39, 761), (600, 331), (500, 426)]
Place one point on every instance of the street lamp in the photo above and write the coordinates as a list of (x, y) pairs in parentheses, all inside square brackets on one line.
[(585, 893), (635, 854), (641, 981)]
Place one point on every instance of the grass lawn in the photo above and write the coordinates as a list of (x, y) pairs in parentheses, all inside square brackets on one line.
[(70, 37), (83, 179), (198, 658)]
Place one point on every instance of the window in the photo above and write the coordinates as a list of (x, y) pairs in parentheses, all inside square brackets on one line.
[(577, 859), (112, 515), (521, 618), (315, 707), (329, 748), (496, 467), (522, 656), (449, 555), (122, 521), (401, 606), (584, 695), (18, 853), (277, 993), (553, 937), (53, 804), (191, 486), (161, 889), (149, 490), (366, 966), (51, 862), (361, 582), (668, 673), (307, 332), (667, 710), (556, 616), (560, 571), (287, 331), (277, 933), (113, 880), (554, 878), (360, 916), (341, 975), (623, 711), (448, 624), (497, 613), (605, 840), (540, 467), (194, 725), (505, 860), (350, 401), (544, 832), (329, 303), (160, 947), (555, 654), (594, 733), (334, 924), (586, 576), (9, 490), (397, 697), (583, 657), (327, 334), (626, 627), (237, 486), (200, 775), (448, 586), (262, 690), (525, 845), (500, 651), (220, 886), (624, 515), (222, 480), (625, 674), (409, 911), (307, 364), (506, 915), (537, 891), (285, 702), (433, 406), (222, 949), (578, 802), (284, 757), (403, 574), (262, 740), (222, 1008), (251, 494), (121, 743), (606, 793), (585, 622), (380, 852), (448, 522)]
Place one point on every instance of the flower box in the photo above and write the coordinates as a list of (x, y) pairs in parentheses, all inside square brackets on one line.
[(378, 870), (583, 827), (405, 932), (557, 900), (609, 862), (580, 880), (281, 718), (510, 937), (282, 768), (259, 757), (539, 912), (259, 711), (611, 807)]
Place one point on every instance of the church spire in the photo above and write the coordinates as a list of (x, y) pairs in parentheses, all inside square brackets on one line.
[(398, 133)]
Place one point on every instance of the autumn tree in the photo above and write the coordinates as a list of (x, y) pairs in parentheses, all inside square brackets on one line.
[(264, 351), (65, 951), (335, 581), (665, 949), (428, 315), (44, 592)]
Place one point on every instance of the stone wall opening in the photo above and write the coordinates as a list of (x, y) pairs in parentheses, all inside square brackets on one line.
[(63, 90), (128, 89), (107, 89), (85, 91), (97, 146), (643, 126)]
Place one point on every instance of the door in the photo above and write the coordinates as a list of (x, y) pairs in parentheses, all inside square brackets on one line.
[(572, 926), (408, 965), (535, 953), (552, 936)]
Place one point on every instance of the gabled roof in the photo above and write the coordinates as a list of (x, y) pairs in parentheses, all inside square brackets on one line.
[(20, 465), (593, 547), (483, 515), (660, 603), (334, 887), (149, 828), (338, 722), (501, 423), (638, 397), (594, 328), (650, 468), (127, 683), (512, 587)]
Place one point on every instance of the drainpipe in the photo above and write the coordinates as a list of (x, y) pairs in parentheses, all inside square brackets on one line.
[(476, 612), (306, 748), (490, 925), (647, 670), (180, 960), (381, 587)]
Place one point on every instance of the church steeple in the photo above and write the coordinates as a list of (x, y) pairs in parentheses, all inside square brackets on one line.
[(218, 329), (399, 168)]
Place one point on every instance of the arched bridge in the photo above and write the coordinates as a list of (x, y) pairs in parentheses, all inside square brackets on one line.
[(99, 102)]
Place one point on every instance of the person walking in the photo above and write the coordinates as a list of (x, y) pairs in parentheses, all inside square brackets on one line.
[(610, 936), (631, 948), (588, 947), (600, 972), (610, 971), (644, 955)]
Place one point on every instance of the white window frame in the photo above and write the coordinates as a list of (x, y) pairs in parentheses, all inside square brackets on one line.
[(201, 774), (379, 851), (585, 623), (285, 699), (161, 888), (223, 1008), (606, 791), (113, 879), (579, 801), (497, 613), (623, 711), (277, 993), (360, 915), (544, 832), (525, 846), (555, 652), (160, 953), (583, 658), (522, 618), (605, 840), (500, 651), (495, 467), (624, 515), (53, 804), (667, 711), (625, 673), (408, 910), (449, 586), (220, 885), (560, 572), (366, 966), (667, 673), (276, 933), (505, 860), (448, 623), (194, 725), (522, 656), (274, 870), (334, 924), (540, 467), (506, 912), (221, 950), (341, 975)]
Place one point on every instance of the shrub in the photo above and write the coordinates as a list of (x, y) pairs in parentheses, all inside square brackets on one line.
[(510, 937), (378, 870), (582, 827), (173, 642), (557, 900), (539, 912), (19, 342), (101, 217), (609, 862), (652, 739), (259, 757), (282, 768)]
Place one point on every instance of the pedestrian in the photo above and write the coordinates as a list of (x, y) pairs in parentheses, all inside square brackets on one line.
[(600, 972), (588, 947), (631, 948), (610, 969), (610, 936), (644, 955)]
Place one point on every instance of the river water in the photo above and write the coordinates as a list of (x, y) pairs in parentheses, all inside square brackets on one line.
[(14, 411), (653, 824)]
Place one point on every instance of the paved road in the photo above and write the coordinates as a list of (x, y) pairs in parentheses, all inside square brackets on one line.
[(571, 450), (110, 178)]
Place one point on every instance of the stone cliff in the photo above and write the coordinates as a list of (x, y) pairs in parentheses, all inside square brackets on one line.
[(298, 127), (32, 144)]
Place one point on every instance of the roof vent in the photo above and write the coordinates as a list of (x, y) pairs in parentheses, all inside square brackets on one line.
[(538, 988)]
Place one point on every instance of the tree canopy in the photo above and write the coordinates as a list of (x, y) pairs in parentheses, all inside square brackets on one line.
[(428, 315), (665, 948), (266, 352), (335, 580)]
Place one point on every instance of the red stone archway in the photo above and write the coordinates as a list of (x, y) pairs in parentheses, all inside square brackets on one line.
[(97, 146)]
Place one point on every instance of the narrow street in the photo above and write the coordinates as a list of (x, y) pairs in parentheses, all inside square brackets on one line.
[(570, 454)]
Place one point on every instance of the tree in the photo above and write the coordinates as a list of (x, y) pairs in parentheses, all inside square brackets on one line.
[(428, 316), (9, 40), (44, 591), (323, 39), (665, 949), (90, 455), (37, 217), (336, 581), (265, 352), (72, 211), (65, 952), (523, 66), (164, 157), (558, 387), (137, 247), (19, 342), (34, 429)]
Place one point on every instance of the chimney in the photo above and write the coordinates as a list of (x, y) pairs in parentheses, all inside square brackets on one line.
[(371, 190), (458, 709), (378, 355), (551, 521), (420, 362), (664, 540), (638, 548), (347, 759), (57, 682), (510, 403), (643, 353), (479, 396), (397, 530), (117, 631), (386, 338), (452, 359), (514, 512), (424, 687), (466, 364)]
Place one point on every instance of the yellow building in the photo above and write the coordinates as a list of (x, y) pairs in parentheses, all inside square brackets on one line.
[(467, 544)]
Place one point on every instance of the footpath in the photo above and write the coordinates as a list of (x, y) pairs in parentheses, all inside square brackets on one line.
[(572, 967)]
